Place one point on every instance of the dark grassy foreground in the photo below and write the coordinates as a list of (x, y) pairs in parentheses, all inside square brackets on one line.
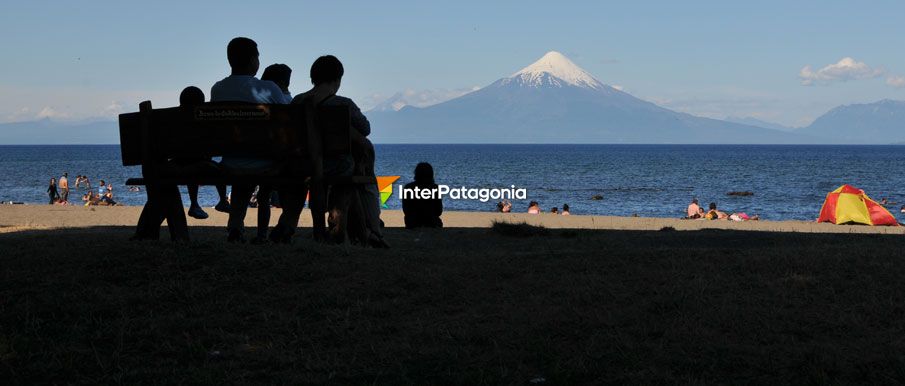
[(454, 307)]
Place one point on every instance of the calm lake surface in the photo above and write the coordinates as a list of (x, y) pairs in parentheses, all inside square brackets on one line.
[(788, 182)]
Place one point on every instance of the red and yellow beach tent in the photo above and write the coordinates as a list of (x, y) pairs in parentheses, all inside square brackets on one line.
[(849, 204)]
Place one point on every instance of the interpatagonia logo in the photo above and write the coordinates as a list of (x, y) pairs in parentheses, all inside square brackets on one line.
[(385, 185)]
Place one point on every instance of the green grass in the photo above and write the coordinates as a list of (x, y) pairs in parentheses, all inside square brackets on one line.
[(454, 306)]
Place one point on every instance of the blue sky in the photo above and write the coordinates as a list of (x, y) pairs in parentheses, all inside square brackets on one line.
[(82, 60)]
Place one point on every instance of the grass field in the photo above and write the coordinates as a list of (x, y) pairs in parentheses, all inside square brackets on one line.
[(508, 305)]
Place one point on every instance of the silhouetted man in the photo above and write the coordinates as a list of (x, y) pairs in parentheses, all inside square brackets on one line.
[(242, 86), (326, 76)]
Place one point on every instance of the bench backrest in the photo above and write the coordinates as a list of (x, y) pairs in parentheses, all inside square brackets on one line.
[(231, 129)]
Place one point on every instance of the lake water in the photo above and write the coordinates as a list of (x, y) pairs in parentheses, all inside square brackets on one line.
[(788, 182)]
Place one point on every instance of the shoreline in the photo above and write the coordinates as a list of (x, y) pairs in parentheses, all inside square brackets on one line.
[(22, 217)]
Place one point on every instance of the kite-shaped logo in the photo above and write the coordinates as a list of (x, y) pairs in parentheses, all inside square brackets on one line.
[(385, 185)]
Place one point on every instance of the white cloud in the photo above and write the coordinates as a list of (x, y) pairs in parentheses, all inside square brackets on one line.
[(844, 70), (50, 112), (113, 109), (896, 81)]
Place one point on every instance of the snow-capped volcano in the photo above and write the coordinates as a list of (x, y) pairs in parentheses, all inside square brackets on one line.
[(554, 69), (555, 101)]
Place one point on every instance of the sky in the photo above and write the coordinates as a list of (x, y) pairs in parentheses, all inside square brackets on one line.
[(779, 61)]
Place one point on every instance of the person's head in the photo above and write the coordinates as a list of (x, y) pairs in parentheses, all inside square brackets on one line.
[(424, 174), (554, 210), (191, 96), (565, 207), (102, 182), (242, 54), (278, 73), (532, 204), (66, 175), (694, 201), (53, 180), (327, 71), (712, 206)]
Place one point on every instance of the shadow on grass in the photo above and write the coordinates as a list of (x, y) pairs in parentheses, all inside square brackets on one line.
[(453, 306)]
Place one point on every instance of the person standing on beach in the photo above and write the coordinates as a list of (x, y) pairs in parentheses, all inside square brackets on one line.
[(64, 188), (565, 210), (52, 191)]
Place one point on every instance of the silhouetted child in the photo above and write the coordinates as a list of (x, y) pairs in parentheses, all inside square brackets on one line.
[(192, 96), (280, 74), (423, 212)]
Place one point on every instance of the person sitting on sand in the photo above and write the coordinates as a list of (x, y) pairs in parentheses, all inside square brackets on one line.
[(694, 210), (424, 212), (742, 216), (565, 210), (555, 210), (533, 207), (504, 206), (714, 214)]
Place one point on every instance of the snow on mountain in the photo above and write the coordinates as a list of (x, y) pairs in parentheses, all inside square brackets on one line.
[(554, 69), (555, 101)]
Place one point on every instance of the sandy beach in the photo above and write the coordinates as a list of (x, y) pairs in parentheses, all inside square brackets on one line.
[(47, 216)]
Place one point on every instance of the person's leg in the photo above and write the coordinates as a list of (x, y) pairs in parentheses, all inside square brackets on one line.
[(241, 195), (152, 214), (65, 196), (370, 195), (292, 199), (195, 209), (223, 204), (263, 198)]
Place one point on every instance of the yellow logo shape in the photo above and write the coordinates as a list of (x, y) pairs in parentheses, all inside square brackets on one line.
[(385, 185)]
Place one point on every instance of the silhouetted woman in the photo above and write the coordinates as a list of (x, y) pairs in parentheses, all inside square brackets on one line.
[(52, 191), (424, 212)]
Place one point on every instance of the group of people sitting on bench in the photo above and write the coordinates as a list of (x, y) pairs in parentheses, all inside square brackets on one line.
[(273, 88)]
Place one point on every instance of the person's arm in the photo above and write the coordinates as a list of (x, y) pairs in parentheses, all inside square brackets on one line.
[(359, 121)]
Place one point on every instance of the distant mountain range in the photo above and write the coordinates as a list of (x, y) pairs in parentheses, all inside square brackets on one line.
[(52, 132), (555, 101), (552, 101), (879, 122), (751, 121)]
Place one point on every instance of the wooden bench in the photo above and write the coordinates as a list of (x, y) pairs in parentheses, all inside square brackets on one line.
[(172, 146)]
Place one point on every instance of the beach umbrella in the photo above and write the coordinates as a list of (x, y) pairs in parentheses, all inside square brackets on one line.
[(849, 204)]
